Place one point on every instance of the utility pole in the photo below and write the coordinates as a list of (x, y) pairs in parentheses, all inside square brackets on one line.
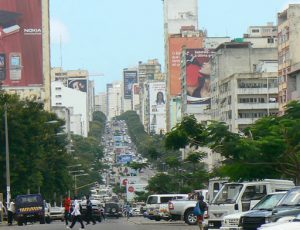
[(7, 158)]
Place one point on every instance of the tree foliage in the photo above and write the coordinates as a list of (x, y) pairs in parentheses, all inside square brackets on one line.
[(38, 158)]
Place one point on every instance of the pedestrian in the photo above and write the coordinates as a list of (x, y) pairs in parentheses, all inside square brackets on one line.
[(127, 210), (67, 205), (11, 211), (2, 211), (102, 213), (203, 207), (76, 214), (89, 211)]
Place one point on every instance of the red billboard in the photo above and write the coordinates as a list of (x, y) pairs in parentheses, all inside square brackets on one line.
[(198, 72), (176, 45), (21, 60)]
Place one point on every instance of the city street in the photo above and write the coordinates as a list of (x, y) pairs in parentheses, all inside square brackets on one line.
[(135, 223)]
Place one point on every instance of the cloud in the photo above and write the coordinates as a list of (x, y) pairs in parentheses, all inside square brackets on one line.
[(59, 31), (286, 4)]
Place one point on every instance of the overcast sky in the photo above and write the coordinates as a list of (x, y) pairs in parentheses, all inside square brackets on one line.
[(105, 36)]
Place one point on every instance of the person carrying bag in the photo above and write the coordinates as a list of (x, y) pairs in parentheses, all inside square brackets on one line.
[(199, 211)]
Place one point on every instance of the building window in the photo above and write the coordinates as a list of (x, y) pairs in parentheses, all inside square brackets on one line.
[(255, 30), (57, 88), (270, 40), (58, 103), (58, 96)]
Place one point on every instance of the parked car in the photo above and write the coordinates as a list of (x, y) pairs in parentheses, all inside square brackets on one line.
[(241, 197), (287, 209), (30, 208), (287, 225), (112, 209), (183, 209), (157, 205), (232, 222), (57, 213)]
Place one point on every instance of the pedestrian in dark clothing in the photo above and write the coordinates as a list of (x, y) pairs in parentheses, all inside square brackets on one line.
[(102, 213), (203, 208), (89, 211), (76, 215)]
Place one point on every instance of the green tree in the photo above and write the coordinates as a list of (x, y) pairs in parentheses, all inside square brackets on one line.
[(194, 158), (162, 183)]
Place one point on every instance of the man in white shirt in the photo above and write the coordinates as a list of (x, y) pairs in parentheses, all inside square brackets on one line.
[(11, 210), (76, 215)]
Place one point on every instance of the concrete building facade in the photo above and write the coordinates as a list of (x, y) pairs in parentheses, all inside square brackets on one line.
[(238, 89), (114, 100), (65, 98), (100, 102), (289, 55)]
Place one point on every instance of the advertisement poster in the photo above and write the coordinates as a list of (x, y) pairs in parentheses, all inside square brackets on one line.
[(124, 180), (157, 98), (175, 53), (198, 71), (130, 78), (125, 158), (78, 84), (132, 188), (21, 60)]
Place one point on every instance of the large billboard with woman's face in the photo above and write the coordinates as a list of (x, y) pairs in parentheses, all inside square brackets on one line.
[(21, 61), (198, 72), (157, 99)]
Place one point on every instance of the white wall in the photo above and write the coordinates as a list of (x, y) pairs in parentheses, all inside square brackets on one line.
[(75, 99)]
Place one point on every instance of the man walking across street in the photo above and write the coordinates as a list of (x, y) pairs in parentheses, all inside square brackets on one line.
[(89, 211), (11, 210), (76, 214)]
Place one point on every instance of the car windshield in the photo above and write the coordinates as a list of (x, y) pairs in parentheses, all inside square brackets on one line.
[(292, 198), (152, 200), (268, 202), (228, 194)]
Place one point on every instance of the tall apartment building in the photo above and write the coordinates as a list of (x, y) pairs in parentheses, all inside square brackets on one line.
[(114, 100), (240, 90), (289, 55), (100, 102), (181, 29), (148, 71)]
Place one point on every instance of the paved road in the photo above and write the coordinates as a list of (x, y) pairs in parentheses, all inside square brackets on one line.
[(135, 223)]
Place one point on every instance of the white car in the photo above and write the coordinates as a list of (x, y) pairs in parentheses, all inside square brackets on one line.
[(282, 224)]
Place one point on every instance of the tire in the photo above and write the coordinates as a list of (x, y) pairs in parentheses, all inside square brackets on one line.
[(20, 223), (42, 220), (190, 218), (157, 219)]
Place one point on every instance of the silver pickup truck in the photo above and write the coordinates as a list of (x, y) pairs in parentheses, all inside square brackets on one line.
[(184, 209)]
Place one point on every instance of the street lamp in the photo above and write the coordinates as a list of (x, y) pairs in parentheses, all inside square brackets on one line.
[(75, 185), (7, 158)]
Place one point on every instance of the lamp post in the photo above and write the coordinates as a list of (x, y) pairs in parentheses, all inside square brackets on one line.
[(7, 157), (75, 184)]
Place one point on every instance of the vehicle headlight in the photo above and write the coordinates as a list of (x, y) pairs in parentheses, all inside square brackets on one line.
[(268, 220)]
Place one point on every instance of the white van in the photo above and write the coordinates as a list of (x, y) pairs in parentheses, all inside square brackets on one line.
[(240, 197), (157, 205)]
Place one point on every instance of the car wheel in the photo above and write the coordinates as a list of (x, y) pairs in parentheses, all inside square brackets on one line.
[(190, 218), (157, 218), (20, 223)]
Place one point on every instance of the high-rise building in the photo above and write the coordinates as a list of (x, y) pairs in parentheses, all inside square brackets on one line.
[(289, 55), (181, 29), (25, 50), (178, 13), (100, 102), (114, 100), (243, 84)]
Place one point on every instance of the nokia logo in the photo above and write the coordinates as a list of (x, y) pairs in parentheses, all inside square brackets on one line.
[(32, 31)]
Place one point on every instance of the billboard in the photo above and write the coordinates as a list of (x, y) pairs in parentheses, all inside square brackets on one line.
[(175, 53), (130, 78), (198, 72), (78, 84), (21, 54), (124, 159), (157, 100)]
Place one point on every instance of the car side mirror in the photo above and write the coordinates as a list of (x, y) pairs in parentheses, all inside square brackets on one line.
[(274, 211), (236, 207)]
